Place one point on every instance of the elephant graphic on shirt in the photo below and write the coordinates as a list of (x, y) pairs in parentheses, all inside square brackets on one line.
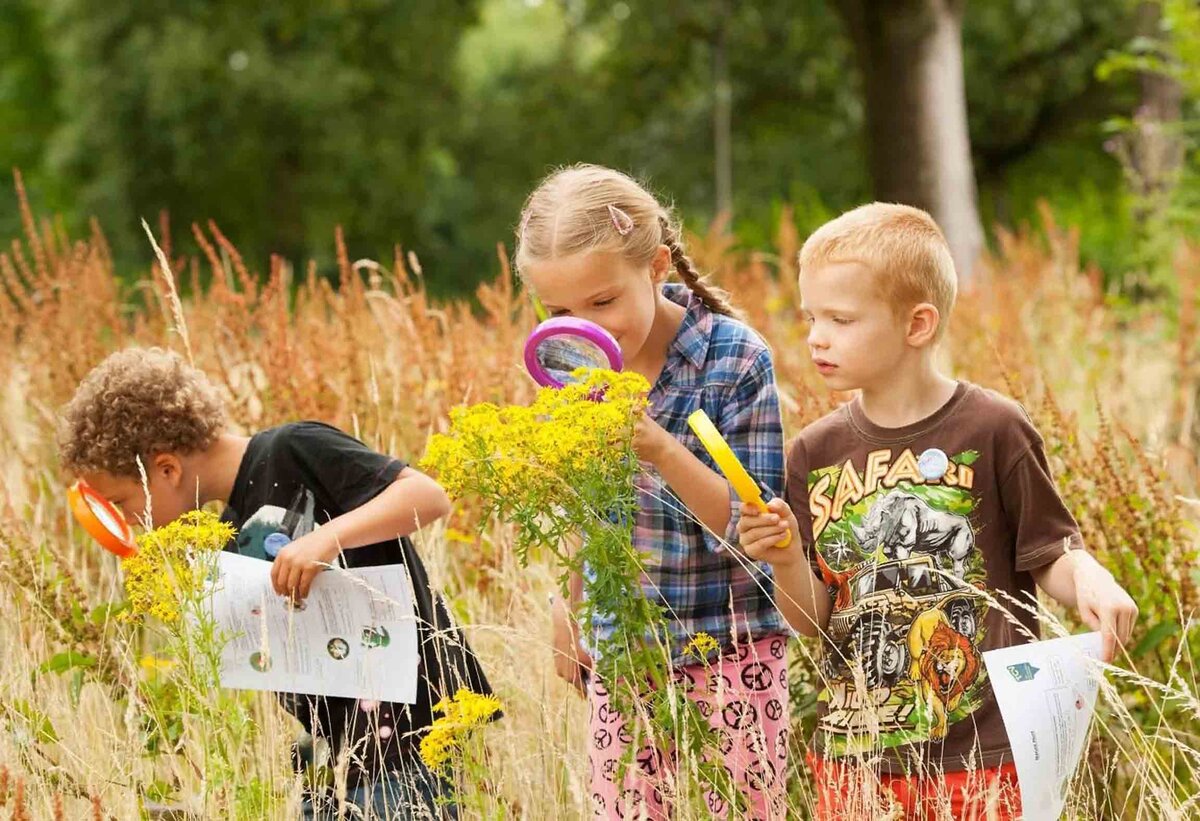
[(901, 524)]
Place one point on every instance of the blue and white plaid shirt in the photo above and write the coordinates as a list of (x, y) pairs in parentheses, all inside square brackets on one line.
[(719, 364)]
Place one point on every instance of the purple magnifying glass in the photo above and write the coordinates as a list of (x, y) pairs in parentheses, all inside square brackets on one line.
[(558, 346)]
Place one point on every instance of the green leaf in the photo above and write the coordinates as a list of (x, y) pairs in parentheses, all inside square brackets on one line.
[(37, 721), (160, 791), (69, 660), (76, 686), (104, 613), (1155, 636)]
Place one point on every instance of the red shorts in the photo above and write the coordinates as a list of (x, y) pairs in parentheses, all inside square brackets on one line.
[(847, 792)]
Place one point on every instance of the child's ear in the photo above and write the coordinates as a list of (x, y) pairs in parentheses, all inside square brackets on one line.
[(661, 265), (168, 466), (923, 324)]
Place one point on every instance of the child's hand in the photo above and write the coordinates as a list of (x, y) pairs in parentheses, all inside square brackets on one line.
[(298, 563), (571, 661), (759, 532), (1105, 606), (649, 439)]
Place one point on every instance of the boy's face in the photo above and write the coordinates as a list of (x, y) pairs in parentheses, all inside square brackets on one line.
[(169, 498), (854, 335)]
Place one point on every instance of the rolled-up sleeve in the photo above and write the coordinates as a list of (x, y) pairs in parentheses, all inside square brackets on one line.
[(750, 422)]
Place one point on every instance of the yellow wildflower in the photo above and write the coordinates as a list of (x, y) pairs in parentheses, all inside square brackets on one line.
[(461, 714), (154, 665), (701, 646), (539, 453), (453, 534), (164, 573)]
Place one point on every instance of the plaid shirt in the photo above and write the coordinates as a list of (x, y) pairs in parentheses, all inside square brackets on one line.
[(719, 364)]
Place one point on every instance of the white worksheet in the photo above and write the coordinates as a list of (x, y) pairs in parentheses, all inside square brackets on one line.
[(1047, 694), (354, 636)]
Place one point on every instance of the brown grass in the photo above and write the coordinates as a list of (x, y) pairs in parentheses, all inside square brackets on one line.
[(1113, 389)]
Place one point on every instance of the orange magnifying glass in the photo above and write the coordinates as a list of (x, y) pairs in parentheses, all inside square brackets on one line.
[(101, 520), (743, 483)]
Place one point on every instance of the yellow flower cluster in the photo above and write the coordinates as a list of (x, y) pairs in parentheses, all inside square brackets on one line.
[(164, 572), (701, 646), (462, 713), (538, 452), (156, 665)]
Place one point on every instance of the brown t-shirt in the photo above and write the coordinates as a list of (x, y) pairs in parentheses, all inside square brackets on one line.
[(908, 526)]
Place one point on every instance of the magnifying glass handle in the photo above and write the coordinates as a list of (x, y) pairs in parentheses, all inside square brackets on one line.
[(743, 483)]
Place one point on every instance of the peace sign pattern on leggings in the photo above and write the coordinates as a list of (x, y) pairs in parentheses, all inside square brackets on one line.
[(743, 695)]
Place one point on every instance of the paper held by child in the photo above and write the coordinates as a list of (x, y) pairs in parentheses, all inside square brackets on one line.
[(354, 636), (1046, 692)]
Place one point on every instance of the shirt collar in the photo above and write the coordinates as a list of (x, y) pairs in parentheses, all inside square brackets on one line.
[(695, 332)]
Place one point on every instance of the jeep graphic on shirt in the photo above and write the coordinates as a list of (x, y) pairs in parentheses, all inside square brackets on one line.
[(896, 546)]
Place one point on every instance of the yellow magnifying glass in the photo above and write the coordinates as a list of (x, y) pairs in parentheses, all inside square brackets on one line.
[(101, 520), (743, 483)]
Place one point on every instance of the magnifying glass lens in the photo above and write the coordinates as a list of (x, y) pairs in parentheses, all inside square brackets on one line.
[(105, 516), (101, 520), (561, 345), (561, 356)]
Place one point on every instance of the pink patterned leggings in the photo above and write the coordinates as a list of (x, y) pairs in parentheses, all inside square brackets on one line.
[(744, 696)]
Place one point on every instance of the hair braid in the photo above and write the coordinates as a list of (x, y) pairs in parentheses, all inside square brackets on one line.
[(714, 297)]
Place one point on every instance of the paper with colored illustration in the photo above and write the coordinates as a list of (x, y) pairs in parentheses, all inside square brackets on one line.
[(1046, 692), (354, 636)]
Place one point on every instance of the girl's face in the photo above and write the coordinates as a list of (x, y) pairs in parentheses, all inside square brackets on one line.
[(602, 287)]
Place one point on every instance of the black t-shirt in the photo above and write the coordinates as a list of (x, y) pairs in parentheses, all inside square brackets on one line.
[(302, 474)]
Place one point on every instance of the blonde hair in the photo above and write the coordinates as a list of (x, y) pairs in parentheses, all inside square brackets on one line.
[(585, 208), (137, 403), (901, 245)]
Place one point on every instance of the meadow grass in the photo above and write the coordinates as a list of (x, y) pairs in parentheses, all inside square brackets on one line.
[(1112, 386)]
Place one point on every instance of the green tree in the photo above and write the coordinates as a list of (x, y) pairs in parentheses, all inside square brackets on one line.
[(28, 114), (1037, 112), (632, 85), (278, 120), (428, 123)]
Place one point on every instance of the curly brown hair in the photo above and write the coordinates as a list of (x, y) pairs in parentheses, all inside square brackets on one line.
[(137, 403)]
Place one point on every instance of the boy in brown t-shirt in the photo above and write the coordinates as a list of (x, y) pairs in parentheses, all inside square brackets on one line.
[(914, 503)]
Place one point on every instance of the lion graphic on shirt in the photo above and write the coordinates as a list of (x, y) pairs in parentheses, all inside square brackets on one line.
[(944, 665)]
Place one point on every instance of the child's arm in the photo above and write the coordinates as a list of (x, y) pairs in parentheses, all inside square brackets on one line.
[(1046, 538), (750, 422), (802, 598), (704, 491), (1076, 579), (570, 659), (411, 502)]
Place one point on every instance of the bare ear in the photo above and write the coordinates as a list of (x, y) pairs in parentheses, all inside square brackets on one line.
[(169, 467), (661, 265), (923, 323)]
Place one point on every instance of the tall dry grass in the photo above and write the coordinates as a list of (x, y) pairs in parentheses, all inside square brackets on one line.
[(1112, 388)]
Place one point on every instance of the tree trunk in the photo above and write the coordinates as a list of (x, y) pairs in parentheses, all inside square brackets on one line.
[(910, 54), (1157, 147), (722, 115)]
